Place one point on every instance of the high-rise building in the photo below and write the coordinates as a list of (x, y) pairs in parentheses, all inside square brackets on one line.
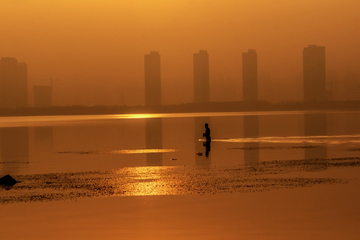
[(201, 77), (13, 83), (250, 76), (42, 96), (152, 79), (314, 73)]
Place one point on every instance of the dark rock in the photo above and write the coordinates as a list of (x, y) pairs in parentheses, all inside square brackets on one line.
[(7, 180)]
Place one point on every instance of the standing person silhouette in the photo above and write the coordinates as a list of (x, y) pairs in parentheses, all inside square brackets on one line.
[(206, 144), (206, 134)]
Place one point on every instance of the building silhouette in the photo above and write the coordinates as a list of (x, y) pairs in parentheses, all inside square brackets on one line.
[(42, 96), (13, 83), (201, 77), (152, 79), (250, 75), (314, 73)]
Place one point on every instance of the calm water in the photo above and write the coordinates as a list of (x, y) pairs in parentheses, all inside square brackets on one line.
[(36, 145), (65, 157), (266, 175)]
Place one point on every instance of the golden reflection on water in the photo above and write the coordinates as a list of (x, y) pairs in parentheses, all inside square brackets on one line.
[(333, 139), (123, 151), (135, 151), (138, 115), (71, 119), (196, 114), (148, 181)]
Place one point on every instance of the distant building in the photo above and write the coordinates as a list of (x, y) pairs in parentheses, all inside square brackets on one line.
[(13, 83), (42, 96), (201, 77), (314, 73), (250, 75), (152, 79)]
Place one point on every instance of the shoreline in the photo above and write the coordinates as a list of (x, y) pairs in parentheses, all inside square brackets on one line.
[(180, 180), (323, 212)]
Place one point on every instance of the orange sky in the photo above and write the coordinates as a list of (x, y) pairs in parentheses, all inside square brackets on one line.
[(97, 47)]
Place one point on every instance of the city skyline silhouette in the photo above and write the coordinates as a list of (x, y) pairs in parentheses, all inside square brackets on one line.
[(180, 119), (96, 50), (13, 79)]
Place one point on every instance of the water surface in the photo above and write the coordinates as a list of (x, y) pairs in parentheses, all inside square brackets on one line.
[(265, 175), (100, 154)]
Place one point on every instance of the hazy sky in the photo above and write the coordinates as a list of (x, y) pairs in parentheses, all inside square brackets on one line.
[(97, 47)]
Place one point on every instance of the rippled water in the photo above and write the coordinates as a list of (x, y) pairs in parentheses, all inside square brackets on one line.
[(144, 181)]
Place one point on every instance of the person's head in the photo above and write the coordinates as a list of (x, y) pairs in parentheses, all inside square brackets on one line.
[(206, 125)]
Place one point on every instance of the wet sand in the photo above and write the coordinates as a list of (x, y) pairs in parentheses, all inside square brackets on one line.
[(298, 201), (284, 182), (319, 212), (176, 180)]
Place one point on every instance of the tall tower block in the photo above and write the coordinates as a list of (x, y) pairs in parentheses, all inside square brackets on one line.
[(13, 83), (152, 79), (314, 73), (201, 77), (250, 75)]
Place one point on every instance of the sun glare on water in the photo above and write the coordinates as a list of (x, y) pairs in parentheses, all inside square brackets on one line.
[(148, 181)]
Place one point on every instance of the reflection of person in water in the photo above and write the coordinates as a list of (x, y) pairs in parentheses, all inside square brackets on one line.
[(208, 139)]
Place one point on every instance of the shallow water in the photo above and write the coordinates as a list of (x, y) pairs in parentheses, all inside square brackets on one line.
[(32, 145), (99, 155), (265, 175)]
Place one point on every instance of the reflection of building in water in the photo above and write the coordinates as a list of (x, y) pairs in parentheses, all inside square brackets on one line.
[(201, 77), (251, 149), (14, 144), (152, 79), (43, 137), (42, 96), (315, 125), (154, 141), (204, 158)]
